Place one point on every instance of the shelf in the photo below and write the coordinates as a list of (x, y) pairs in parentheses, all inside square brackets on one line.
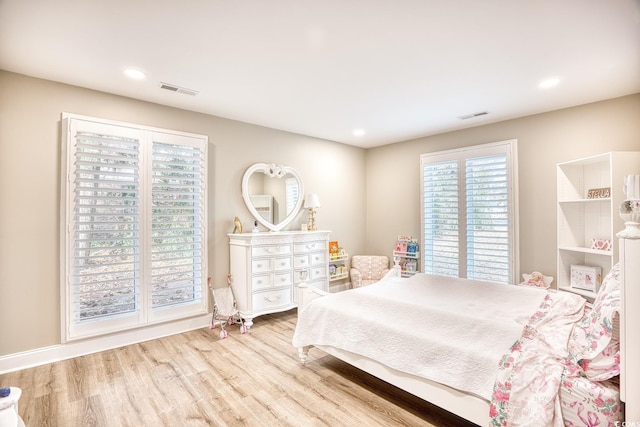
[(583, 292), (586, 250), (581, 219), (339, 264), (412, 255), (604, 199)]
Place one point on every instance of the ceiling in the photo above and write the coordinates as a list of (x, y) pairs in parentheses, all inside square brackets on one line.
[(397, 70)]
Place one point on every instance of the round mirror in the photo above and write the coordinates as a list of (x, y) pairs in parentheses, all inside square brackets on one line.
[(273, 194)]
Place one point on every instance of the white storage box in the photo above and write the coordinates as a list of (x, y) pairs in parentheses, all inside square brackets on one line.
[(586, 277)]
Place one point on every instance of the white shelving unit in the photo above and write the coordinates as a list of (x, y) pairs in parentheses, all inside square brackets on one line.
[(581, 219), (408, 262), (338, 269)]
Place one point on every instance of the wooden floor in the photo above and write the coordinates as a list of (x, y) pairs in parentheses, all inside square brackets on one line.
[(196, 379)]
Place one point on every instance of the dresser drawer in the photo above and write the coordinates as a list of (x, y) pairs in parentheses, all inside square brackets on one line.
[(306, 247), (309, 274), (317, 273), (261, 265), (318, 258), (271, 299), (282, 279), (261, 251), (266, 281), (262, 281), (301, 261), (280, 264)]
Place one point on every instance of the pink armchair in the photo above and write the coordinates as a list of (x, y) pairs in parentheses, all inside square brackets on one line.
[(367, 269)]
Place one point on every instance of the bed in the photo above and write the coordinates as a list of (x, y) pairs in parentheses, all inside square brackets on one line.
[(535, 355)]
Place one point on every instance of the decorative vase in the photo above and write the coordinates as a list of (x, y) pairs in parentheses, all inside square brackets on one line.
[(630, 214)]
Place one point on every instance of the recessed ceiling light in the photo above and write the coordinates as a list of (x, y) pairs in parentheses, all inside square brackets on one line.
[(549, 83), (132, 73), (358, 132)]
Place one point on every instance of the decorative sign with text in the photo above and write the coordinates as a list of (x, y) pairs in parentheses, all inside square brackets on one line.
[(599, 193)]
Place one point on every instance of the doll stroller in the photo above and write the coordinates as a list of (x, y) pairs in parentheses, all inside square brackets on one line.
[(225, 309)]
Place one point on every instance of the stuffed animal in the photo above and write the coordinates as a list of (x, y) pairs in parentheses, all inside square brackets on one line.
[(537, 280)]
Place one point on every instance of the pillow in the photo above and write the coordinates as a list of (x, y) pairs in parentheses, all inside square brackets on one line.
[(591, 340), (604, 365)]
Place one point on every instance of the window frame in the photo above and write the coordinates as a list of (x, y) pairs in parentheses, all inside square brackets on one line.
[(144, 315), (507, 147)]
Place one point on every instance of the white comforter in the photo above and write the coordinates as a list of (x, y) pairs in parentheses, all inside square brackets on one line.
[(450, 331)]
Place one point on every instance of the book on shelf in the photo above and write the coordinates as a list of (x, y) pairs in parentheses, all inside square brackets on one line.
[(401, 246), (410, 265), (406, 244), (334, 247)]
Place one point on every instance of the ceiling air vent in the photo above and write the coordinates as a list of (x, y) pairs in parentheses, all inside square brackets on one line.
[(178, 89), (470, 116)]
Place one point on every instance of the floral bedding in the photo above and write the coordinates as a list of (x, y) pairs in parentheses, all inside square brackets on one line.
[(589, 403), (560, 371)]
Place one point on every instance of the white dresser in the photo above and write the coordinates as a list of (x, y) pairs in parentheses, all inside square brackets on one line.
[(265, 267)]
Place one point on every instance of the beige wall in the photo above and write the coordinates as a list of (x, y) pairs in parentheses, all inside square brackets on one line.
[(393, 171), (389, 176), (30, 112)]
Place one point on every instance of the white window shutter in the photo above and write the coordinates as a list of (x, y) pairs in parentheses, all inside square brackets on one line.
[(487, 197), (106, 226), (470, 212), (134, 234), (177, 224), (441, 219)]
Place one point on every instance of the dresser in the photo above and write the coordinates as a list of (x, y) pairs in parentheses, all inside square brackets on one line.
[(266, 267)]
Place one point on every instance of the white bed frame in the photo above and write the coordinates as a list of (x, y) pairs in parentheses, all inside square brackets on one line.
[(476, 409)]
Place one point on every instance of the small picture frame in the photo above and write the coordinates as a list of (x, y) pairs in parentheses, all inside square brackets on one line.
[(586, 277), (304, 227)]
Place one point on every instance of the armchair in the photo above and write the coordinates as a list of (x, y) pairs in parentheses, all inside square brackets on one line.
[(367, 269)]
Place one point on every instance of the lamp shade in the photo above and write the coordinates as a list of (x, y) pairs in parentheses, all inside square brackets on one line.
[(312, 201)]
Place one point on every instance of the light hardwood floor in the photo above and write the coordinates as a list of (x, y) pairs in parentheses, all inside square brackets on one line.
[(196, 379)]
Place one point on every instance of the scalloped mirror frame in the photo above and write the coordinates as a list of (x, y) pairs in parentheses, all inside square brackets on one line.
[(272, 170)]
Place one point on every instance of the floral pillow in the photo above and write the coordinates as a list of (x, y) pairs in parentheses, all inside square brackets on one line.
[(604, 365), (591, 342)]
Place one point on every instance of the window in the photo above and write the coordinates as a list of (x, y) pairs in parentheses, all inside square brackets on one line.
[(469, 220), (291, 196), (134, 226)]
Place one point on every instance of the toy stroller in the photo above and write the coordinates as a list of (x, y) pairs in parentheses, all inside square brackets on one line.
[(225, 309)]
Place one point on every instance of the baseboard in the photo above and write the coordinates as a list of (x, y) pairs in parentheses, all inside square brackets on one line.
[(40, 356)]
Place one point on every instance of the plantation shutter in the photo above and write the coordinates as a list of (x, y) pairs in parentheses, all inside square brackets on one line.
[(488, 242), (133, 226), (469, 213), (441, 222), (177, 224), (106, 226)]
